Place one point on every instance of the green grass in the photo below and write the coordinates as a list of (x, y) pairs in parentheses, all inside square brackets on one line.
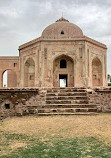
[(88, 147), (56, 137), (7, 140)]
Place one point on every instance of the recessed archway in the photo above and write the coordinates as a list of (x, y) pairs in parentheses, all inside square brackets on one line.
[(9, 79), (63, 71), (97, 77), (29, 73)]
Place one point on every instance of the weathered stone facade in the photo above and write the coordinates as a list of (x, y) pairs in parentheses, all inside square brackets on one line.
[(54, 101), (61, 57), (102, 98), (38, 64), (12, 65)]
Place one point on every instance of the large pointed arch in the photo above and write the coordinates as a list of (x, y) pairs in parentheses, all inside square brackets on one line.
[(97, 77), (29, 73), (63, 72)]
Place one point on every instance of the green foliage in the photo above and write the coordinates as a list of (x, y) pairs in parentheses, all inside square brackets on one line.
[(109, 77), (67, 148), (109, 84)]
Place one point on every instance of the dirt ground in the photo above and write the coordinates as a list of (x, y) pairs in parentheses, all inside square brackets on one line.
[(52, 127)]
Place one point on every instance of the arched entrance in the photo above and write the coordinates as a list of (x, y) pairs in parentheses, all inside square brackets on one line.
[(63, 72), (97, 79), (9, 79), (29, 73)]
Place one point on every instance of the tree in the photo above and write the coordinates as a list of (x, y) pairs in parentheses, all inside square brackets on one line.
[(109, 77)]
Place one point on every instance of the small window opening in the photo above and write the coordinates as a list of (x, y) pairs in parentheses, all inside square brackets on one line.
[(62, 32), (63, 63), (7, 106), (15, 64)]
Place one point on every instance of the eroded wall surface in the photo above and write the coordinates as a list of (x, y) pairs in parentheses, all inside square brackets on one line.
[(102, 98), (86, 55), (96, 64), (38, 64), (19, 102), (11, 65)]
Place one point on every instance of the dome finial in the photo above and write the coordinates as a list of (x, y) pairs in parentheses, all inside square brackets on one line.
[(62, 19)]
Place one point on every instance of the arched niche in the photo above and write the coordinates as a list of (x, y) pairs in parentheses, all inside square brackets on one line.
[(29, 73), (9, 79), (97, 77), (63, 71)]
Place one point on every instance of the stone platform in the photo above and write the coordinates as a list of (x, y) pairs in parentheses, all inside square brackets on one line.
[(66, 101), (54, 101)]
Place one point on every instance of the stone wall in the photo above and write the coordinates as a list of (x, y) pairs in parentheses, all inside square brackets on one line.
[(18, 102), (10, 64), (101, 97)]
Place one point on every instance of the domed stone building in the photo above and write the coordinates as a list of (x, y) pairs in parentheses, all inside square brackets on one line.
[(62, 57)]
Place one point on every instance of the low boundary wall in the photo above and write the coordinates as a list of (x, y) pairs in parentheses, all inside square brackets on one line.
[(18, 102)]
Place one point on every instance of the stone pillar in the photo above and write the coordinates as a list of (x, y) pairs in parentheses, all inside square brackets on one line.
[(105, 70), (45, 67), (79, 68), (18, 77), (1, 80), (74, 71), (22, 72), (37, 69), (40, 69)]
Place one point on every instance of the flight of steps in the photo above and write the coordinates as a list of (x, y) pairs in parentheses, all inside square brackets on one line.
[(67, 101)]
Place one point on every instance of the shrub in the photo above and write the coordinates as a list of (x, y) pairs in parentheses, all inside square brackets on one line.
[(109, 84)]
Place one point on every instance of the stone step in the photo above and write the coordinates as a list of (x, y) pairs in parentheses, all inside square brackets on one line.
[(67, 94), (32, 111), (67, 101), (77, 113), (68, 106), (64, 110), (66, 98), (66, 90), (30, 106)]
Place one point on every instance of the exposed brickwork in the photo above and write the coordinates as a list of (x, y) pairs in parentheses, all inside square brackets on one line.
[(10, 64), (102, 98), (17, 100), (47, 101)]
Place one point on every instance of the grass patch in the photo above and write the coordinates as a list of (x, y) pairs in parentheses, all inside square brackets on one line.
[(11, 142), (66, 148), (56, 137)]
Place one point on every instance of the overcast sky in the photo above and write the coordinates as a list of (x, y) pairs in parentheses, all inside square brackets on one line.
[(24, 20)]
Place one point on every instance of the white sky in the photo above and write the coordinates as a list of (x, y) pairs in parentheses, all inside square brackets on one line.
[(5, 79), (24, 20)]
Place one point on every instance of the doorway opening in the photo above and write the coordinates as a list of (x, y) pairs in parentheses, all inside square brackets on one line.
[(63, 71), (62, 80), (9, 79)]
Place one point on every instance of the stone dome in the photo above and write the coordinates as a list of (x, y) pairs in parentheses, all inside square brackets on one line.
[(62, 28)]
